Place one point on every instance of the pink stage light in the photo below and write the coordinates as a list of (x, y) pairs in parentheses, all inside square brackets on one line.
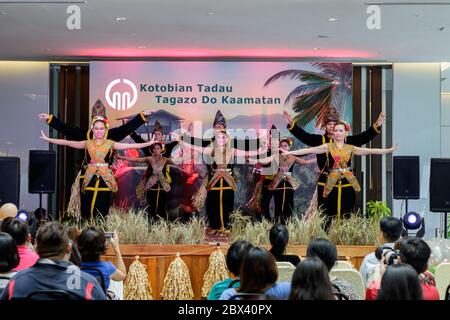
[(206, 53)]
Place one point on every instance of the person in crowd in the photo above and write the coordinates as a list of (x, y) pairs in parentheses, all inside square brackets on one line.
[(326, 251), (20, 232), (234, 257), (415, 252), (258, 277), (390, 231), (92, 244), (279, 239), (53, 271), (99, 182), (310, 281), (75, 256), (400, 282), (9, 259), (340, 188)]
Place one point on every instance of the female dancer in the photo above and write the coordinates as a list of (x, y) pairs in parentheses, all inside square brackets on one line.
[(341, 185), (99, 181)]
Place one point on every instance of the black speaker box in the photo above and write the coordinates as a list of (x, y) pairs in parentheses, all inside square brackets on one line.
[(10, 177), (41, 171), (440, 185), (406, 177)]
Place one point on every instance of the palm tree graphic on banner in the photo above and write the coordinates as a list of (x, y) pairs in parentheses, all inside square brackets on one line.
[(318, 91)]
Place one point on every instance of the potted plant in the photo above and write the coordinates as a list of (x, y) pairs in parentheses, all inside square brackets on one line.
[(377, 210)]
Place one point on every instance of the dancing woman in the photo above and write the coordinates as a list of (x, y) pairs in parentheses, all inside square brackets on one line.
[(341, 185), (99, 182), (284, 184), (218, 189), (157, 182)]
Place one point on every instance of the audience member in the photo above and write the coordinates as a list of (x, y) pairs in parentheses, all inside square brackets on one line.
[(9, 258), (279, 239), (326, 251), (53, 271), (400, 282), (235, 254), (311, 281)]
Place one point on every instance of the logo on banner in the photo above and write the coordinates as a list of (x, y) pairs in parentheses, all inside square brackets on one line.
[(121, 99)]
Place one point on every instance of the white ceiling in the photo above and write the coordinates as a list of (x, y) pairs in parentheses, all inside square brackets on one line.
[(226, 29)]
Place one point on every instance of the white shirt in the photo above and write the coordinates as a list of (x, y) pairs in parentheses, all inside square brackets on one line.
[(369, 264)]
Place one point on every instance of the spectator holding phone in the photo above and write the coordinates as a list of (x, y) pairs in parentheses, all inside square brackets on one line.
[(92, 244)]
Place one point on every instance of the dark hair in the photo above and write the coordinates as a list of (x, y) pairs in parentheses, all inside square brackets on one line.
[(17, 229), (92, 244), (391, 228), (52, 240), (415, 252), (152, 147), (258, 271), (75, 256), (311, 281), (323, 249), (235, 254), (400, 282), (279, 239), (8, 253)]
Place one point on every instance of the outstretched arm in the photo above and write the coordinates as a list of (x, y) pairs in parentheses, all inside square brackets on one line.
[(71, 133), (314, 150), (365, 151), (262, 161), (63, 142), (122, 146), (366, 136)]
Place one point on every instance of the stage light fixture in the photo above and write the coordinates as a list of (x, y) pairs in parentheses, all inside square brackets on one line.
[(413, 221), (23, 215)]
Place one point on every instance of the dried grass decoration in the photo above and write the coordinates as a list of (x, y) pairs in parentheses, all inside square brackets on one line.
[(177, 283), (137, 284), (217, 271), (74, 207)]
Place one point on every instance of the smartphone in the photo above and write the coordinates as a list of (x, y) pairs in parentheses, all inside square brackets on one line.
[(109, 235)]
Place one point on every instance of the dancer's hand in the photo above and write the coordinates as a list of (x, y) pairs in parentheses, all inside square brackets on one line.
[(192, 178), (148, 112), (284, 152), (43, 136), (393, 148), (44, 116), (380, 119), (287, 117)]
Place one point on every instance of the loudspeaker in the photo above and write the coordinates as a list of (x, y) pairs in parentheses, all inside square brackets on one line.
[(41, 171), (10, 180), (440, 185), (406, 177)]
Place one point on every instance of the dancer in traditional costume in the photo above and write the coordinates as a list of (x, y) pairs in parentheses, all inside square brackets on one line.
[(340, 185), (283, 184), (157, 182), (80, 134), (323, 160), (99, 182)]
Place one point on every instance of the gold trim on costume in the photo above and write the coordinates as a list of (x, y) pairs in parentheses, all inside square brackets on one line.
[(376, 128), (292, 126), (144, 117), (50, 119)]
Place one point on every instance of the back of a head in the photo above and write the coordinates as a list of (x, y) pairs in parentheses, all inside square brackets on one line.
[(52, 240), (415, 252), (8, 253), (400, 282), (391, 228), (323, 249), (258, 271), (91, 244), (311, 281), (235, 255), (17, 229), (279, 239)]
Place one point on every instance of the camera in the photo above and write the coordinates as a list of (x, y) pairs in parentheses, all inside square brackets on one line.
[(390, 255)]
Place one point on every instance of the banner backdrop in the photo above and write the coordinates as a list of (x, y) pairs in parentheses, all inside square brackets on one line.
[(251, 95)]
